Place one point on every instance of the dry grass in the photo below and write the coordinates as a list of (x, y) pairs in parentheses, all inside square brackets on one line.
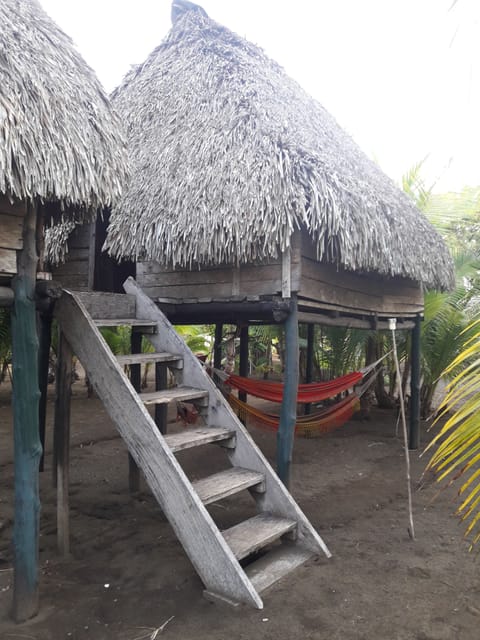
[(229, 155), (59, 139)]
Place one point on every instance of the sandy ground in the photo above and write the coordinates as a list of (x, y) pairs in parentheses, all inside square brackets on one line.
[(127, 574)]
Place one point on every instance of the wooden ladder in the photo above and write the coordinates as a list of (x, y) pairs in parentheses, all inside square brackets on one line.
[(280, 528)]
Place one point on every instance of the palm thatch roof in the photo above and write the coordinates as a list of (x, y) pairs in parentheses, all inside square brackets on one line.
[(59, 139), (229, 156)]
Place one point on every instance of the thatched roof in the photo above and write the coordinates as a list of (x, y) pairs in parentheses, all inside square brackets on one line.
[(229, 155), (59, 139)]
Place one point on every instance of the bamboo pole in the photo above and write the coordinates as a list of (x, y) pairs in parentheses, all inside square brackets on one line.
[(411, 528), (288, 413), (27, 447)]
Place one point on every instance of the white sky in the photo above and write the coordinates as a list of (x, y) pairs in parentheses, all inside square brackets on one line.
[(402, 77)]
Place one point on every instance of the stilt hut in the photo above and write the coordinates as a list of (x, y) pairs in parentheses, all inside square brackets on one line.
[(248, 202), (62, 157)]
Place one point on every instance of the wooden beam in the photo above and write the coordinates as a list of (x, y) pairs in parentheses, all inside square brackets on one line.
[(27, 448), (61, 442), (414, 435), (288, 413)]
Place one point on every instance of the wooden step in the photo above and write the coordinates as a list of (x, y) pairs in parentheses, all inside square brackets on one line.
[(146, 358), (254, 534), (226, 483), (199, 436), (276, 564), (177, 394), (136, 323)]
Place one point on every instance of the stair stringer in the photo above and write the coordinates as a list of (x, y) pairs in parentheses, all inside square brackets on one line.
[(208, 551), (276, 499)]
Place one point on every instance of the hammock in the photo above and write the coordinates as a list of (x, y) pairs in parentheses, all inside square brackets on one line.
[(307, 393), (311, 426)]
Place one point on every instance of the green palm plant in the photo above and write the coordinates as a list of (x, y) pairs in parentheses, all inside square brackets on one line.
[(446, 317), (457, 455)]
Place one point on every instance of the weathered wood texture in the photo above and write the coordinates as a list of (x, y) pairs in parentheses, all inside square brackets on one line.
[(74, 273), (61, 442), (253, 534), (264, 278), (200, 436), (11, 233), (341, 290), (278, 563), (111, 306), (246, 454), (226, 483), (193, 525)]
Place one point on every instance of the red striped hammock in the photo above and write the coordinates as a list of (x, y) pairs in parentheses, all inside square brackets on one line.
[(311, 426), (307, 393)]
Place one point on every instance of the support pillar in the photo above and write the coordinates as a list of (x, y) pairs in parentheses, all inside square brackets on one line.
[(243, 363), (27, 447), (217, 346), (288, 413), (309, 363), (45, 340), (414, 432), (161, 410), (61, 442)]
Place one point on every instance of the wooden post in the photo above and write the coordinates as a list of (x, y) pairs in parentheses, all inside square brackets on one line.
[(136, 380), (217, 346), (25, 425), (61, 441), (161, 410), (414, 435), (45, 340), (288, 413), (309, 363), (243, 361)]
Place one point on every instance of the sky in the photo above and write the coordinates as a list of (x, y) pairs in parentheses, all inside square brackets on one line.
[(403, 78)]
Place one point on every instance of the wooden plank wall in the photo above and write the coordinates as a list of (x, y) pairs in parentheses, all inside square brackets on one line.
[(73, 273), (11, 232), (221, 282), (323, 286)]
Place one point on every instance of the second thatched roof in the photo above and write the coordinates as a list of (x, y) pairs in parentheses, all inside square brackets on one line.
[(59, 139), (229, 155)]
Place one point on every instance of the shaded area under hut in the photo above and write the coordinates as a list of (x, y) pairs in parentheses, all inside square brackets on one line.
[(248, 203), (61, 159)]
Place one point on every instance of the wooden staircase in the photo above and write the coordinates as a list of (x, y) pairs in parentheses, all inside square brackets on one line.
[(279, 529)]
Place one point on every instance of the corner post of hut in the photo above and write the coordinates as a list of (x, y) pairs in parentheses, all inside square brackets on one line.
[(415, 378), (27, 447), (288, 412)]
